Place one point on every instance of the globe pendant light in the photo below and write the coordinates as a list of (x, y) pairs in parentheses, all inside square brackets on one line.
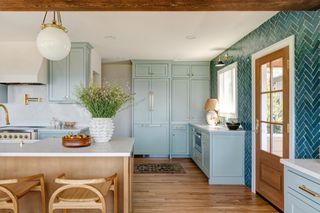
[(52, 41)]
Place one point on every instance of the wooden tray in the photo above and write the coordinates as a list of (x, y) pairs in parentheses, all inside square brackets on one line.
[(76, 142)]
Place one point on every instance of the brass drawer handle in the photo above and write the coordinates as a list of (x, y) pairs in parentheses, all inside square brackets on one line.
[(309, 191)]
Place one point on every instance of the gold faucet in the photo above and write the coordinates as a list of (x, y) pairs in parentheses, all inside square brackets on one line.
[(7, 113)]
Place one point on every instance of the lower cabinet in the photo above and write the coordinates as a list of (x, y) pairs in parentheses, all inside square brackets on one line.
[(179, 140), (219, 154), (301, 192), (151, 139)]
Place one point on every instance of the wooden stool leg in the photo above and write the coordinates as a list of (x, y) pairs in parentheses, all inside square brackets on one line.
[(15, 206), (115, 195), (43, 195)]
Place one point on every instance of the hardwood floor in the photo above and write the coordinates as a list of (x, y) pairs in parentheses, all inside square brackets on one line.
[(190, 192)]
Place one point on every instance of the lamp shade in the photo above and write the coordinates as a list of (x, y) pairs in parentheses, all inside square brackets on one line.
[(53, 43), (212, 104)]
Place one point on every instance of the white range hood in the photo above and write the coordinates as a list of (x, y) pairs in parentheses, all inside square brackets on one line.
[(21, 63)]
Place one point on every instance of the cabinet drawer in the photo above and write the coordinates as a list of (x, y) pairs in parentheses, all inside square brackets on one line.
[(304, 186), (294, 204), (179, 126), (200, 71)]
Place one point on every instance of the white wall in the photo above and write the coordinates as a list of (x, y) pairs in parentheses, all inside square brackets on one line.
[(40, 113), (120, 74)]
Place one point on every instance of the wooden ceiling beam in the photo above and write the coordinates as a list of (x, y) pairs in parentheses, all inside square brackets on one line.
[(158, 5)]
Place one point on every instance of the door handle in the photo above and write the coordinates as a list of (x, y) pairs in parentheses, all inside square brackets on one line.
[(152, 101), (257, 126), (154, 125)]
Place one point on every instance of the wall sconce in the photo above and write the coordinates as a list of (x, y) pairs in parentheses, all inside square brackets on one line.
[(220, 62)]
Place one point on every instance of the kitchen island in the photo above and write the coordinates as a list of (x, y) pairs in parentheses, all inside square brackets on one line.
[(51, 158)]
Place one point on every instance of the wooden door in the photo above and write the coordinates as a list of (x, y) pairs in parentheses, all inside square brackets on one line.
[(272, 124)]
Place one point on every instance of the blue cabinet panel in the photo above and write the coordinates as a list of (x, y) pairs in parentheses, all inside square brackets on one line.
[(179, 140), (180, 100), (3, 93), (160, 101), (199, 93), (68, 74), (142, 101), (200, 71), (180, 70), (151, 139)]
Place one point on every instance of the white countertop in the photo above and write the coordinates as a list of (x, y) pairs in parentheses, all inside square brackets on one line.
[(216, 129), (72, 131), (117, 147), (310, 167)]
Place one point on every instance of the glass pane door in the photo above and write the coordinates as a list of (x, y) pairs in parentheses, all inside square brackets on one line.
[(271, 117)]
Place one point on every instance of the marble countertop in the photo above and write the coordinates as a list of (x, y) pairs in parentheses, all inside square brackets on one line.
[(216, 129), (310, 167), (117, 147)]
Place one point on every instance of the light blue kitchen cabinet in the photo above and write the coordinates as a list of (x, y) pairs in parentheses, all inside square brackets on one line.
[(180, 70), (200, 71), (151, 139), (179, 140), (199, 93), (68, 74), (150, 69), (301, 192), (3, 93), (142, 100), (219, 154), (151, 101), (180, 100)]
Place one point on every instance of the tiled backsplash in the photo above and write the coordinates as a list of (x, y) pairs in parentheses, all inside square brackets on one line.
[(40, 113)]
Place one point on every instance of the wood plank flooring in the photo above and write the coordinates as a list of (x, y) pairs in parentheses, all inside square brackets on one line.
[(190, 192)]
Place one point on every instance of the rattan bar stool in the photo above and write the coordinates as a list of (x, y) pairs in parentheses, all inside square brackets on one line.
[(11, 190), (84, 194)]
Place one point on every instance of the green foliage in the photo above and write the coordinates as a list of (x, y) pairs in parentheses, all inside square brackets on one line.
[(104, 101)]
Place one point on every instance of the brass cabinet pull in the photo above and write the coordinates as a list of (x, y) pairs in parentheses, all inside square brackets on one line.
[(309, 191)]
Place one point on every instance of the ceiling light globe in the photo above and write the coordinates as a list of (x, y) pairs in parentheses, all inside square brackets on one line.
[(53, 43)]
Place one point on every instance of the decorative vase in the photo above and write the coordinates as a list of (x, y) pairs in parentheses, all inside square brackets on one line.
[(101, 129)]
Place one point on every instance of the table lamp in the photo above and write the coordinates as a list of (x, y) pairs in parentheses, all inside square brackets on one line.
[(212, 107)]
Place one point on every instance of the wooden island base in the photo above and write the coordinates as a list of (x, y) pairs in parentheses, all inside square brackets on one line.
[(73, 167)]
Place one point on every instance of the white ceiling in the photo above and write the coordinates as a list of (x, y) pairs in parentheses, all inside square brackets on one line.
[(143, 35)]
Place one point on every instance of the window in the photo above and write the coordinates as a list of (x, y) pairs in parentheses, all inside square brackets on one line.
[(227, 91)]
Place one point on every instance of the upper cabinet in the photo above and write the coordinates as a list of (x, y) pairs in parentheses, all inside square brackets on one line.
[(190, 70), (68, 74), (150, 69), (3, 93)]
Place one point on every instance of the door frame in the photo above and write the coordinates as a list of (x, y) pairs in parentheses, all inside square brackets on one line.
[(290, 41)]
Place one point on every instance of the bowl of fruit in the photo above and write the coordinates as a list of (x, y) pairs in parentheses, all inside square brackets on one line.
[(80, 140)]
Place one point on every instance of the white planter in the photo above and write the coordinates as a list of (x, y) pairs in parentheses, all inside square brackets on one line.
[(101, 129)]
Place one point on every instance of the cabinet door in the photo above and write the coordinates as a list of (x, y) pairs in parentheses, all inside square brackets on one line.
[(159, 70), (180, 70), (200, 71), (151, 139), (77, 71), (160, 101), (3, 93), (142, 101), (206, 153), (179, 139), (142, 70), (294, 204), (58, 80), (199, 93), (180, 100)]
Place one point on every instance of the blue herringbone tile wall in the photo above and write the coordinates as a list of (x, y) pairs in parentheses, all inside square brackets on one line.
[(306, 28)]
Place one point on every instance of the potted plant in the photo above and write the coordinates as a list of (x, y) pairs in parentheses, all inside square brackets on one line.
[(103, 103)]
